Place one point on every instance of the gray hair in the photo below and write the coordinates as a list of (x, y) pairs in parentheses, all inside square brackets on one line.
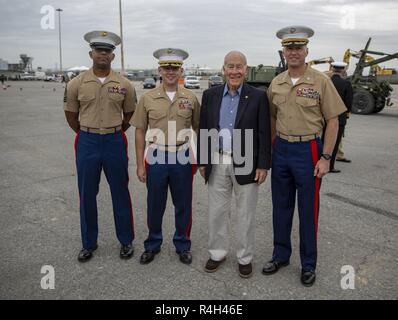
[(234, 52)]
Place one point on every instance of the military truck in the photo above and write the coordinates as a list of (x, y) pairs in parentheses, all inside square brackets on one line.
[(371, 92), (261, 76)]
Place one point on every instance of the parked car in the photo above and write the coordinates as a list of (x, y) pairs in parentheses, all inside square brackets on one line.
[(215, 81), (50, 78), (149, 83), (27, 76), (191, 82)]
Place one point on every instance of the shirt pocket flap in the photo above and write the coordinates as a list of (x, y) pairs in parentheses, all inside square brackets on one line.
[(184, 113), (278, 100), (116, 96), (85, 97), (156, 115), (306, 102)]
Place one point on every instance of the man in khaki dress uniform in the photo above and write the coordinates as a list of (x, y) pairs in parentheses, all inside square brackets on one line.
[(98, 105), (163, 121), (300, 99)]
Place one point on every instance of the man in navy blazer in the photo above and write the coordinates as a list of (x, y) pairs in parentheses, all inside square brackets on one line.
[(234, 155)]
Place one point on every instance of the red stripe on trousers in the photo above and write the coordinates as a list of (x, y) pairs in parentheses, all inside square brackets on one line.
[(188, 232), (75, 147), (193, 167), (128, 178), (146, 172), (315, 158), (75, 143)]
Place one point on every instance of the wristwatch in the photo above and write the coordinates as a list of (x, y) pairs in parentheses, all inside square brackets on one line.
[(326, 156)]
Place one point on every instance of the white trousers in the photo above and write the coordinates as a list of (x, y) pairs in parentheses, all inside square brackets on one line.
[(222, 183)]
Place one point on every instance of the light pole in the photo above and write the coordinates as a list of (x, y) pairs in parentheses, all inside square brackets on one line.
[(59, 35), (121, 35)]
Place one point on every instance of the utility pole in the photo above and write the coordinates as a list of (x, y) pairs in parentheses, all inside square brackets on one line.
[(121, 35), (59, 35)]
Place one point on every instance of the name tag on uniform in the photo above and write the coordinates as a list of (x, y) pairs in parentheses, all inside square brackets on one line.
[(117, 89), (185, 104), (308, 93)]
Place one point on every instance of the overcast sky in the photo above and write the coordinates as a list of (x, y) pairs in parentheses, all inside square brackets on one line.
[(207, 29)]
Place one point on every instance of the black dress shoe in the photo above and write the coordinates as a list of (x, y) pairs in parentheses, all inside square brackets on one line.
[(213, 265), (126, 252), (273, 266), (86, 254), (308, 278), (147, 257), (334, 171), (185, 257), (245, 270)]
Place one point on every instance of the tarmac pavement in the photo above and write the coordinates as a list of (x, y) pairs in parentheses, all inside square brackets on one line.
[(39, 219)]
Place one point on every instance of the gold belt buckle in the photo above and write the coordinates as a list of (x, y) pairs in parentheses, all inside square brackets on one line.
[(290, 138), (103, 131), (108, 130)]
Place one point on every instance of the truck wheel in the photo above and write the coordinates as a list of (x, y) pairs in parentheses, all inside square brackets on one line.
[(380, 104), (378, 110), (363, 102)]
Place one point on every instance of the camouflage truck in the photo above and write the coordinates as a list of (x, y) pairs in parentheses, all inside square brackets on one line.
[(261, 76)]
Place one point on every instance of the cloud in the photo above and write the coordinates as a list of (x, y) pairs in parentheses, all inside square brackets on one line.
[(206, 29), (367, 17)]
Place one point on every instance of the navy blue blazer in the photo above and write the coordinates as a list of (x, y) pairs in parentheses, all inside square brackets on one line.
[(253, 113)]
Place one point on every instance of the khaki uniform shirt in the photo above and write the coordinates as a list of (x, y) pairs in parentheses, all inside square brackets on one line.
[(100, 105), (300, 109), (156, 111)]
